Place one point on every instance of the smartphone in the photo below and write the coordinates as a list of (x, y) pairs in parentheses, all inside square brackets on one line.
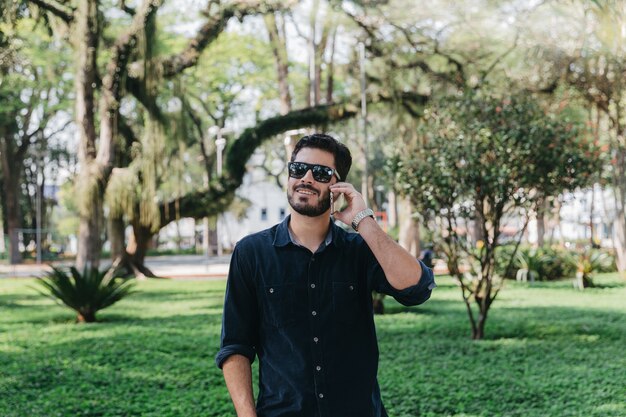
[(335, 202)]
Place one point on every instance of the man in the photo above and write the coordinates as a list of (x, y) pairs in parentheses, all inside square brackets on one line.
[(299, 297)]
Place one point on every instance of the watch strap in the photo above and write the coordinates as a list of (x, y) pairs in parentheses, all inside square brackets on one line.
[(360, 216)]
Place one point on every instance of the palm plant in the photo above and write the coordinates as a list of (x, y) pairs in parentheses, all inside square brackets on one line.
[(586, 264), (85, 293), (530, 264)]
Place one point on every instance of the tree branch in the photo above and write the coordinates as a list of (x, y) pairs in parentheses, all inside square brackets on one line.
[(138, 90), (60, 10), (498, 59), (112, 81), (124, 44), (209, 202), (215, 25), (126, 8)]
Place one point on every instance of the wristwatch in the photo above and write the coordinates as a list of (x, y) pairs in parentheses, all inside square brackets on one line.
[(360, 216)]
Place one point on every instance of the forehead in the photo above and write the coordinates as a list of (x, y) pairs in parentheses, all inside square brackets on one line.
[(315, 156)]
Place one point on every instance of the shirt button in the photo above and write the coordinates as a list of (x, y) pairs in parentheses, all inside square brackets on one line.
[(312, 285), (315, 339), (351, 287), (318, 368), (314, 313), (271, 290), (321, 395)]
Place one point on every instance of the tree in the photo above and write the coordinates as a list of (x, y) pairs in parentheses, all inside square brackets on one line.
[(98, 98), (598, 72), (33, 92), (486, 159), (582, 52)]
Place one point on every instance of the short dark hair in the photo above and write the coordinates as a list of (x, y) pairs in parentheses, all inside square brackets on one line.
[(343, 159)]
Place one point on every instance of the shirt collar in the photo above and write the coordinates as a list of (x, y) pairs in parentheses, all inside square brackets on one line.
[(284, 237)]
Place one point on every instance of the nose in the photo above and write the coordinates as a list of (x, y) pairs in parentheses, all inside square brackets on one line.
[(308, 177)]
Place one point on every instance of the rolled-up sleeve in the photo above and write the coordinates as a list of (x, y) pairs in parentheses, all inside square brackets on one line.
[(411, 296), (240, 317)]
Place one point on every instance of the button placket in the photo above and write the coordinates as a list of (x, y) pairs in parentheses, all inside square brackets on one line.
[(315, 295)]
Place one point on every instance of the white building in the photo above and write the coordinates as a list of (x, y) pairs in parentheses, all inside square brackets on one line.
[(268, 207)]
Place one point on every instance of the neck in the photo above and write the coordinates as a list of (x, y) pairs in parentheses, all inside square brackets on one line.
[(310, 232)]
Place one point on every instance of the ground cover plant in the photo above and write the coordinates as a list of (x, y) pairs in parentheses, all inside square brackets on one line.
[(550, 351)]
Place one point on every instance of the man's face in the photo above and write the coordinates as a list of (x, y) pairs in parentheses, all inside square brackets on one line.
[(305, 195)]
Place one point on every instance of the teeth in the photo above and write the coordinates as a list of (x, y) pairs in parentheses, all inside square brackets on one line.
[(305, 192)]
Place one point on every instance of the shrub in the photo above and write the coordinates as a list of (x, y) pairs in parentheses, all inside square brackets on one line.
[(85, 293), (588, 262), (530, 263), (555, 265)]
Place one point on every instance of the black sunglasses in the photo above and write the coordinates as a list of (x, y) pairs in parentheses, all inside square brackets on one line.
[(321, 173)]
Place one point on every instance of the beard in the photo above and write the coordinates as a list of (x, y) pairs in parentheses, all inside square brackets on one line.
[(306, 208)]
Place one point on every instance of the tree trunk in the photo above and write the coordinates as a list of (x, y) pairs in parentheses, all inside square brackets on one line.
[(11, 162), (478, 333), (86, 38), (409, 234), (619, 241), (330, 68), (318, 59), (392, 209), (279, 49), (117, 239), (2, 247), (15, 256), (89, 239), (477, 232), (86, 317), (619, 191), (137, 248), (478, 330), (557, 223), (541, 223), (12, 204), (310, 86)]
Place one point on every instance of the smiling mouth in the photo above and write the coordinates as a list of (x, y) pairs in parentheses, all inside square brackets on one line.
[(306, 192)]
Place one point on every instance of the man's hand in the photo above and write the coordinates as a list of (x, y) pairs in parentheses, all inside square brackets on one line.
[(354, 200), (401, 268)]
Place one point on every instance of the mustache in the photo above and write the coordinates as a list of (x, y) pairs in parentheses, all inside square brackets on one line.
[(306, 187)]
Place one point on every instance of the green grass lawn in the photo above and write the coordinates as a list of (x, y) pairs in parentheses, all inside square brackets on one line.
[(550, 351)]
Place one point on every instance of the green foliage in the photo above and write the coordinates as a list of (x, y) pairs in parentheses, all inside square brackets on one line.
[(551, 352), (480, 158), (553, 263), (529, 263), (548, 263), (65, 215), (87, 292), (505, 151), (587, 263)]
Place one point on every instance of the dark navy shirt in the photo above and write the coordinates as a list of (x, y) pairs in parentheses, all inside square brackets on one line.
[(308, 317)]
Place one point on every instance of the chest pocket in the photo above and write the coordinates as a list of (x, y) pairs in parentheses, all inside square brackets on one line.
[(345, 302), (279, 304)]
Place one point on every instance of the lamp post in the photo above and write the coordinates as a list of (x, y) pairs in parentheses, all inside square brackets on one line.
[(206, 242), (220, 144), (39, 197)]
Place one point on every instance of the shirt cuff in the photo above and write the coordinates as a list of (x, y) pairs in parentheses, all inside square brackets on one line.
[(230, 350), (420, 292)]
